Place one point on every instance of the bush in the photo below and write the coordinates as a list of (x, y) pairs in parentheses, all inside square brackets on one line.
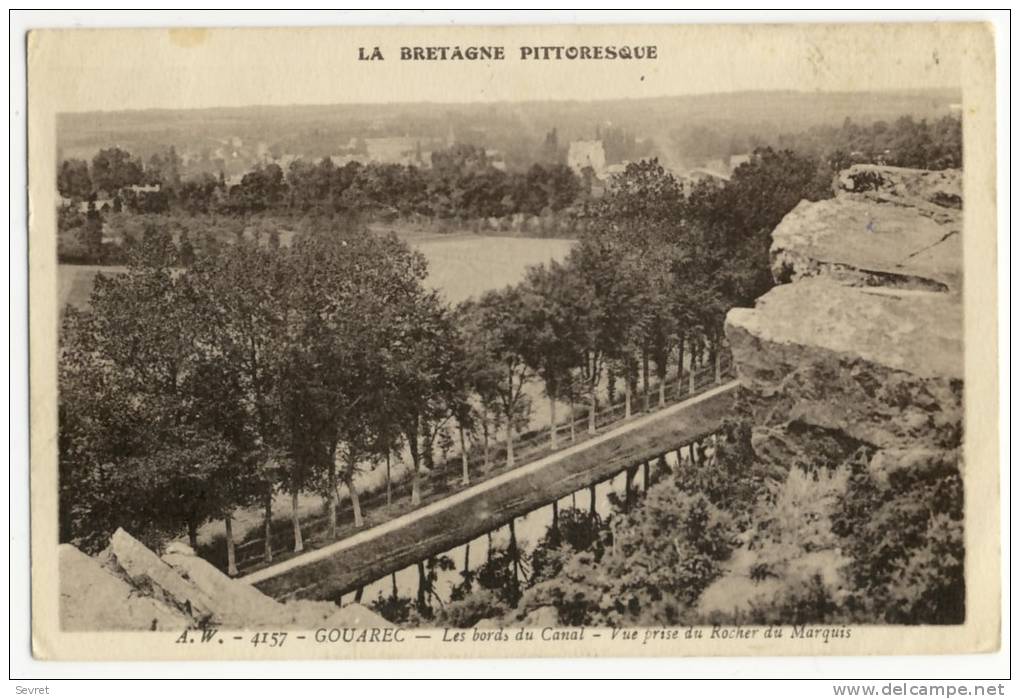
[(466, 612), (905, 536)]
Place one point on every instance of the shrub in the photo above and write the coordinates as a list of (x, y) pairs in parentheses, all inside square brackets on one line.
[(466, 612)]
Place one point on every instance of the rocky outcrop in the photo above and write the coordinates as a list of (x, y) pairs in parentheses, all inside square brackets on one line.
[(861, 341), (129, 587), (884, 228), (235, 603), (92, 598), (129, 559), (855, 359), (899, 185)]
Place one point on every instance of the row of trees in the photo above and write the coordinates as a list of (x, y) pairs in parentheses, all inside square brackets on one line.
[(114, 169), (462, 182), (187, 394), (906, 142)]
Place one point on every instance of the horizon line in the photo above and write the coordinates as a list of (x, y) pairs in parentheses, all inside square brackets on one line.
[(750, 91)]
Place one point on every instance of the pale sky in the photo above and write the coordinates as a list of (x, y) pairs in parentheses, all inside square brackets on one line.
[(87, 70)]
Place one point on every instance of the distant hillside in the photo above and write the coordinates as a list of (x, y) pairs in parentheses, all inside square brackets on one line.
[(674, 128)]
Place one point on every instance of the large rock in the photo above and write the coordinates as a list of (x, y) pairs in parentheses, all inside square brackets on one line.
[(130, 558), (94, 599), (858, 241), (887, 226), (942, 188), (239, 605), (234, 604), (861, 342), (831, 368), (128, 587)]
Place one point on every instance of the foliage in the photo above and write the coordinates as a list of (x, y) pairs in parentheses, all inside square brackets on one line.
[(394, 608), (73, 180), (198, 391), (905, 142), (135, 361), (576, 530), (654, 564), (468, 611), (809, 601), (905, 537), (795, 518), (114, 168)]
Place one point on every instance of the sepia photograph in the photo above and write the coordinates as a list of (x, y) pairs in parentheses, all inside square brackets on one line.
[(666, 362)]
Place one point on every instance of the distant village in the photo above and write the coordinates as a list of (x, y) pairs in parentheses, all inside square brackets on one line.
[(232, 157)]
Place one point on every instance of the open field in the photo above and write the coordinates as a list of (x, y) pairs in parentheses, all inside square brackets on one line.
[(460, 265), (75, 283)]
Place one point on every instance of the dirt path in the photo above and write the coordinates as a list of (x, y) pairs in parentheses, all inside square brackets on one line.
[(467, 513)]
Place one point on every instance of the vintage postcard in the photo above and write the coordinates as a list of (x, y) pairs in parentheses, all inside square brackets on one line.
[(513, 341)]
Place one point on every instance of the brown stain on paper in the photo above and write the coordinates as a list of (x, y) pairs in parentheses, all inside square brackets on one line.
[(188, 38)]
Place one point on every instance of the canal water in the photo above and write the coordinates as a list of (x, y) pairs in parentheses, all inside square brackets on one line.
[(529, 529)]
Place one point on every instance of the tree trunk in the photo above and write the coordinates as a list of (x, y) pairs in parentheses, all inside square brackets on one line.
[(267, 525), (389, 482), (467, 558), (573, 426), (509, 442), (415, 487), (421, 586), (644, 378), (628, 487), (334, 499), (648, 475), (592, 405), (415, 476), (591, 491), (355, 500), (193, 535), (228, 526), (428, 456), (718, 364), (552, 423), (485, 439), (680, 368), (299, 544), (694, 370), (393, 580), (515, 558), (626, 397), (358, 594), (556, 521), (661, 371), (466, 476)]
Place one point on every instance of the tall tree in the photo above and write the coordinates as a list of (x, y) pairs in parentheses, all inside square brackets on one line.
[(555, 330), (424, 376), (138, 351), (502, 323), (73, 179), (114, 169)]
